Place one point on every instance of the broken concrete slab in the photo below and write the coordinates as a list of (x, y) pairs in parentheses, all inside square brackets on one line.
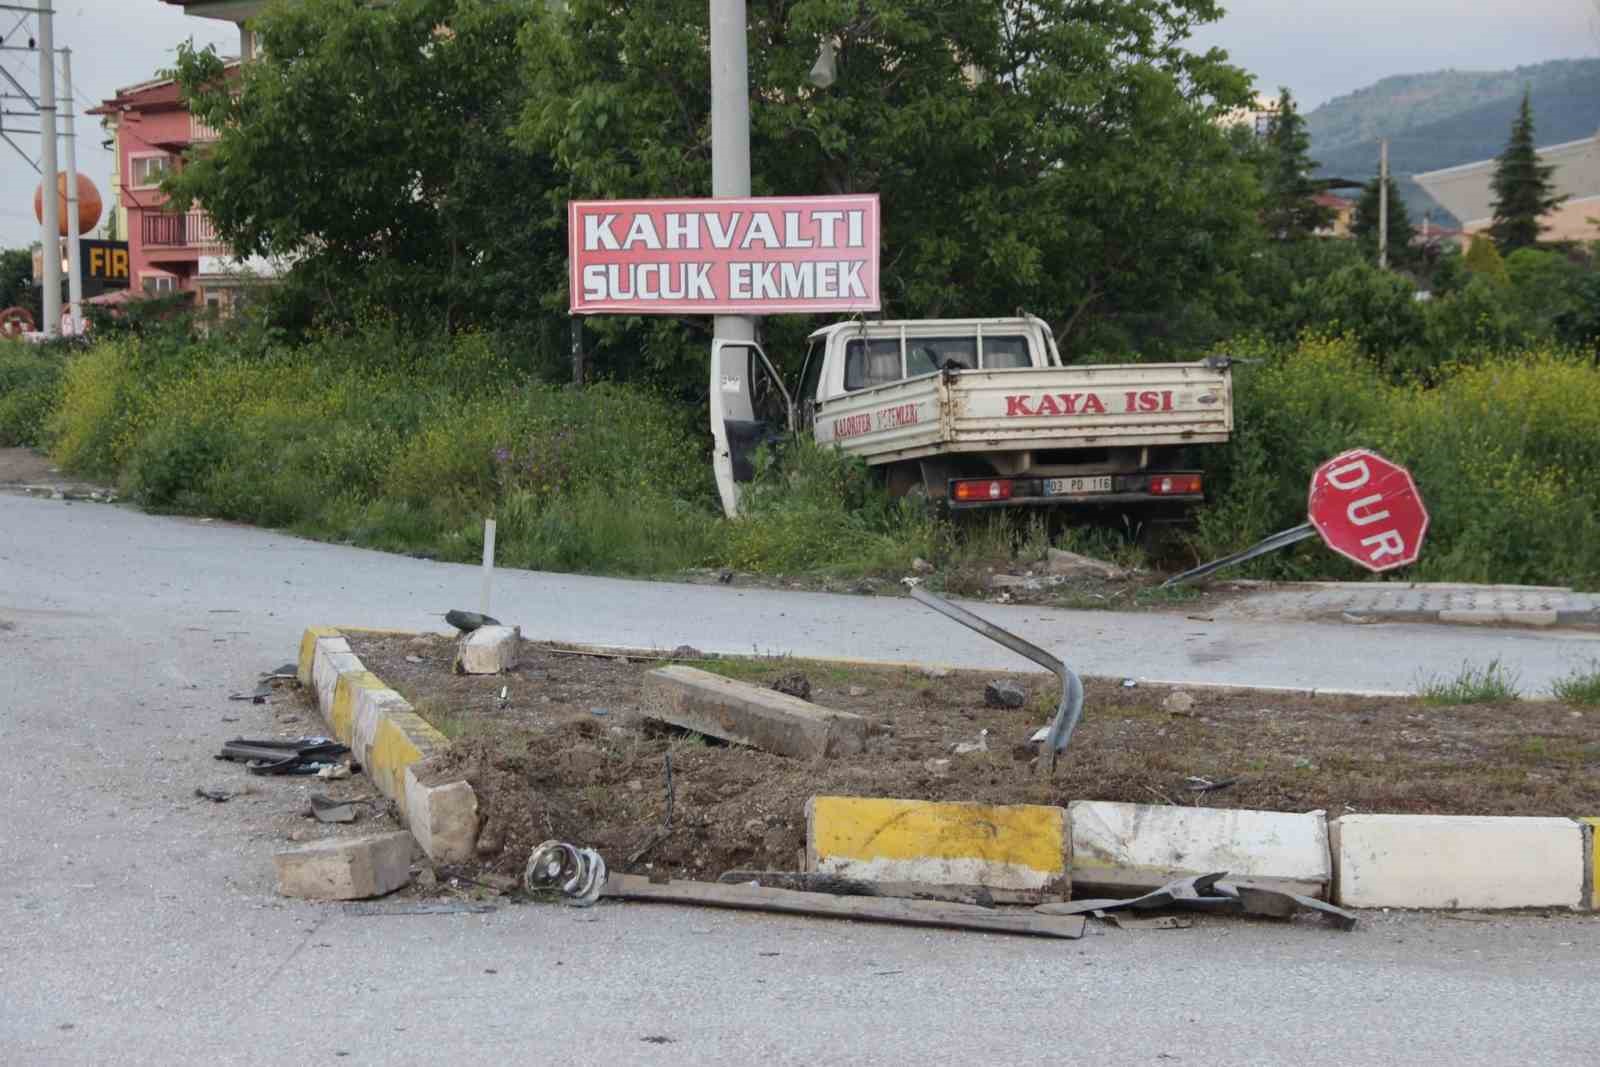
[(444, 817), (488, 650), (750, 715), (1016, 853), (350, 868), (1122, 848)]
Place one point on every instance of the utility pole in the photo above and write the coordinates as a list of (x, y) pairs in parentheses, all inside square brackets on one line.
[(730, 127), (74, 264), (51, 222), (1383, 204)]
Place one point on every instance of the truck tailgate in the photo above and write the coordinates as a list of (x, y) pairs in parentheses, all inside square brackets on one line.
[(1126, 404), (897, 418)]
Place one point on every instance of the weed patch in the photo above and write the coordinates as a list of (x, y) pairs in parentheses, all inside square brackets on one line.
[(1490, 684), (1579, 687)]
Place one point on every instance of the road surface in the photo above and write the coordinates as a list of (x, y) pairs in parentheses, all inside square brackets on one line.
[(138, 924)]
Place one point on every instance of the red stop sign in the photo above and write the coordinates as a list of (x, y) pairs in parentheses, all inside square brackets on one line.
[(1368, 510)]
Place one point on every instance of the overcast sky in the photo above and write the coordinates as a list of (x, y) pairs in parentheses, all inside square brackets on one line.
[(1318, 48)]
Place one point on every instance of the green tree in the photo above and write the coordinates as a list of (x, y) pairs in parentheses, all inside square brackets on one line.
[(1523, 193), (1047, 154), (1292, 211), (16, 280), (369, 145), (1364, 227), (1484, 260)]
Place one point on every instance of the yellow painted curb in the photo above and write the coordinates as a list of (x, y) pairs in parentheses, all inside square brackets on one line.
[(308, 651), (390, 740), (1591, 853), (1019, 852)]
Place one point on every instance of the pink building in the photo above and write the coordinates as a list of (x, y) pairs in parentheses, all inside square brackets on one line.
[(168, 251)]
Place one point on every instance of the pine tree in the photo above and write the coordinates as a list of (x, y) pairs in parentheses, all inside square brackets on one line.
[(1522, 189), (1292, 210), (1364, 227)]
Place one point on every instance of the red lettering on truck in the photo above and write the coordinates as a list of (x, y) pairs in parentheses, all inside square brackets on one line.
[(1147, 401), (852, 425), (1055, 404), (900, 415)]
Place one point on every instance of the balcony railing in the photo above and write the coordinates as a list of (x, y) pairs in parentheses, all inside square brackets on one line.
[(192, 229), (200, 133)]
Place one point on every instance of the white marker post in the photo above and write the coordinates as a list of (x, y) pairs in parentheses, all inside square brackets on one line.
[(488, 565)]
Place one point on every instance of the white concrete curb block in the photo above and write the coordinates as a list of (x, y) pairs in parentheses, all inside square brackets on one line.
[(1458, 861), (1139, 847), (392, 743)]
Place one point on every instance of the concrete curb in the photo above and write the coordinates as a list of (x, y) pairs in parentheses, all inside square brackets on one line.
[(391, 742), (1392, 861)]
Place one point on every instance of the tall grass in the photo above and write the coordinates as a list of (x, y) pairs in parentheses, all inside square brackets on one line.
[(1504, 451)]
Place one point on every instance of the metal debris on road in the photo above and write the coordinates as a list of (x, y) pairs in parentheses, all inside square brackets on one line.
[(326, 809), (302, 755), (442, 907), (1058, 734), (869, 909), (215, 795), (579, 874), (1209, 893)]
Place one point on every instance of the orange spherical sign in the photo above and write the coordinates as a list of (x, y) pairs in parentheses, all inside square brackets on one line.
[(89, 203)]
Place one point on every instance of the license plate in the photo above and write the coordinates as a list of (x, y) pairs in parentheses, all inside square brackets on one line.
[(1073, 486)]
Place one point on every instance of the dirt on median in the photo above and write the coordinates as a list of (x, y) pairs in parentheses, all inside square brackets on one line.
[(566, 753)]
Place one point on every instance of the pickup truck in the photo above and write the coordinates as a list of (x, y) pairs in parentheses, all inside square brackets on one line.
[(978, 413)]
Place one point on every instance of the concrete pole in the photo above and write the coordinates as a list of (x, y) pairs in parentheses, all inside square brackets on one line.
[(730, 127), (51, 224), (74, 260), (1383, 204)]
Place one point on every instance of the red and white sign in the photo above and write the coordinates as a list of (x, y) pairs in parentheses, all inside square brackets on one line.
[(752, 256), (1368, 510)]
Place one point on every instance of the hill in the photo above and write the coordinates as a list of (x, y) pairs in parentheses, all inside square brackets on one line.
[(1403, 102), (1449, 118)]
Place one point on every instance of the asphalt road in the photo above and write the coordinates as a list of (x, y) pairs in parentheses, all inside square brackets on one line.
[(138, 924)]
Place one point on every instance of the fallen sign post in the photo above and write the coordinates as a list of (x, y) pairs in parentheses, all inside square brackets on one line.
[(1365, 507)]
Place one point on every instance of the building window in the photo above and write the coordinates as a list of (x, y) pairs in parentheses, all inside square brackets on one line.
[(159, 284), (150, 170)]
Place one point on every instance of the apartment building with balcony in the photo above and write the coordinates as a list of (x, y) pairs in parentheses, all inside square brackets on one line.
[(169, 251)]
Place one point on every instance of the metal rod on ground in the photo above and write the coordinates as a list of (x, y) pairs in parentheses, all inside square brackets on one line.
[(1282, 539), (1068, 712), (488, 565), (74, 267), (50, 224)]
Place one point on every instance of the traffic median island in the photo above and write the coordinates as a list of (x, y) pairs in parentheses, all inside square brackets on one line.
[(568, 746)]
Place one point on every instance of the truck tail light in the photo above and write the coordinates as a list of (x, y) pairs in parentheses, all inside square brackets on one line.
[(1174, 484), (985, 489)]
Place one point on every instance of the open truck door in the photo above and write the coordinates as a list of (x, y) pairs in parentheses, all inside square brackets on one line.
[(749, 408)]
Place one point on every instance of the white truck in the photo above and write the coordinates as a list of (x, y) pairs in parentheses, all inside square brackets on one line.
[(979, 413)]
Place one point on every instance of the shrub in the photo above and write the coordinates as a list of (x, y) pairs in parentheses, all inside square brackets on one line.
[(1376, 306), (1503, 452), (815, 509), (30, 383)]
